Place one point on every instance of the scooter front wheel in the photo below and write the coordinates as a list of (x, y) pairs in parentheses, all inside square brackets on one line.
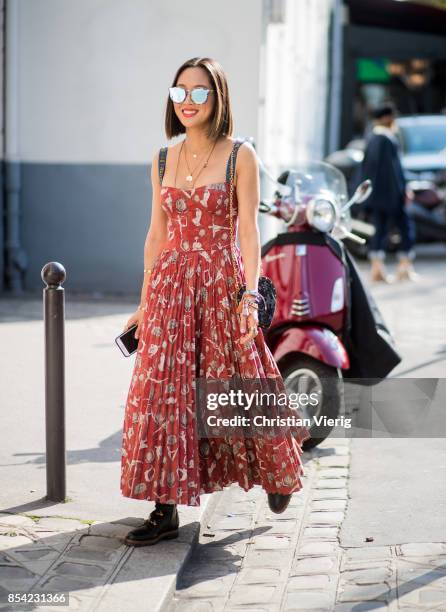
[(323, 385)]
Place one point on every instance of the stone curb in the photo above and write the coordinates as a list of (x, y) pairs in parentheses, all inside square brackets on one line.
[(91, 562)]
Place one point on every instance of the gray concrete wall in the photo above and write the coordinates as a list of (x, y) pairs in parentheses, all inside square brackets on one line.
[(92, 218)]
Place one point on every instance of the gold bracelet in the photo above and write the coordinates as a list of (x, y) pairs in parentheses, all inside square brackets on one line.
[(147, 270)]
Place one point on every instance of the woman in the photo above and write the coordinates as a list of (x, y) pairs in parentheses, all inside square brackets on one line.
[(188, 322)]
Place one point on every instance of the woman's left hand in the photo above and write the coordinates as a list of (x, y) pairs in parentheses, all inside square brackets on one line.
[(248, 323)]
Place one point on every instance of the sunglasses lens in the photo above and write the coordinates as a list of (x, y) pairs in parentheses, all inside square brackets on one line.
[(199, 95), (177, 94)]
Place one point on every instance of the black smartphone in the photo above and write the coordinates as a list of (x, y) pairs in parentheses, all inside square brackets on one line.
[(127, 341)]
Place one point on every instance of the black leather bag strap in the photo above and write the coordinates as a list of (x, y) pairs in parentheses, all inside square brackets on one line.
[(162, 163), (237, 144)]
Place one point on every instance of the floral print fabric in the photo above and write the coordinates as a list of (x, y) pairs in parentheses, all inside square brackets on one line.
[(190, 329)]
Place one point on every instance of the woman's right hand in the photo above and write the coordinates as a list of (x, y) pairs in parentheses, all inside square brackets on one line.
[(136, 318)]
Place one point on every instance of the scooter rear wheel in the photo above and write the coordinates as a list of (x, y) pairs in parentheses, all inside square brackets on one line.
[(303, 374)]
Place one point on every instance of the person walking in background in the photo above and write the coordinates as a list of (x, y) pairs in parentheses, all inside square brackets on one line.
[(382, 165)]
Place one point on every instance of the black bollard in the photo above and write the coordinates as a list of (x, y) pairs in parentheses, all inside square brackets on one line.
[(53, 274)]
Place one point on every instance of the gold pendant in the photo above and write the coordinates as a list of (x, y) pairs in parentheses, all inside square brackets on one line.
[(189, 177)]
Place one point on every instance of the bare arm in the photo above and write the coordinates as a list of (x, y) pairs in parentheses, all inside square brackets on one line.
[(248, 196), (157, 233)]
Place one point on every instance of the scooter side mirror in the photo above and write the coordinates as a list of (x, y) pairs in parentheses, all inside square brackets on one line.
[(363, 191), (264, 207)]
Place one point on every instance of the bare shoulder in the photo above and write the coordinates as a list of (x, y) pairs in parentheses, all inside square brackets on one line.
[(246, 146), (172, 147), (247, 162), (247, 154), (175, 146)]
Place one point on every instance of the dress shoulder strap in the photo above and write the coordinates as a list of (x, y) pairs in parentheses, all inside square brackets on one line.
[(162, 163), (237, 144)]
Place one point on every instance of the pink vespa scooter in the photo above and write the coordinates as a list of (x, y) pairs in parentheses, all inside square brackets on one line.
[(307, 265)]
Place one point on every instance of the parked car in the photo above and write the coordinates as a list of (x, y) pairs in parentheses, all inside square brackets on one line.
[(423, 157), (423, 148)]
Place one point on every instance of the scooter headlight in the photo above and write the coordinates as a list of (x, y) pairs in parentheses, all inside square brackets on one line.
[(321, 214)]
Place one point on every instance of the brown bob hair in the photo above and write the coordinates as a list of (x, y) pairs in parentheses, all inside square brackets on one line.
[(221, 122)]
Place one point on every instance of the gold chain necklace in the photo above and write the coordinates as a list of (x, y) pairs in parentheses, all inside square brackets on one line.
[(190, 177)]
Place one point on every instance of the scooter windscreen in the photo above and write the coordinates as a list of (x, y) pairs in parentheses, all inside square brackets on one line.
[(318, 192)]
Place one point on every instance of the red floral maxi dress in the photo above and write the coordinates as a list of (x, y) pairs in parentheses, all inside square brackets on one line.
[(189, 329)]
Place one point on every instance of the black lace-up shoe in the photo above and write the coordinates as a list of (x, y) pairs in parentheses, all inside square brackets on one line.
[(277, 502), (162, 524)]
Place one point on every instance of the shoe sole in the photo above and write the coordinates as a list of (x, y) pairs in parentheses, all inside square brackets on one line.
[(276, 511), (282, 509), (168, 535)]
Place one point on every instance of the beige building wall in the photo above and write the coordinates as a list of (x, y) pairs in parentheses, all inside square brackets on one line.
[(296, 81)]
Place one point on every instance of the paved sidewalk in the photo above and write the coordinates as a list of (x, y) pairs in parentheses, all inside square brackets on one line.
[(249, 558), (76, 546), (88, 562)]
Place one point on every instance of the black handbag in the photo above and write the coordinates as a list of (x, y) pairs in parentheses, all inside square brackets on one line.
[(266, 289), (267, 305)]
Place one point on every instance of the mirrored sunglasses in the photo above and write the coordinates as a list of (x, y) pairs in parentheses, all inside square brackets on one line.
[(198, 95)]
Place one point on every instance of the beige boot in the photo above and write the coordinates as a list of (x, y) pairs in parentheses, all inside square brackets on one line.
[(405, 271), (378, 271)]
